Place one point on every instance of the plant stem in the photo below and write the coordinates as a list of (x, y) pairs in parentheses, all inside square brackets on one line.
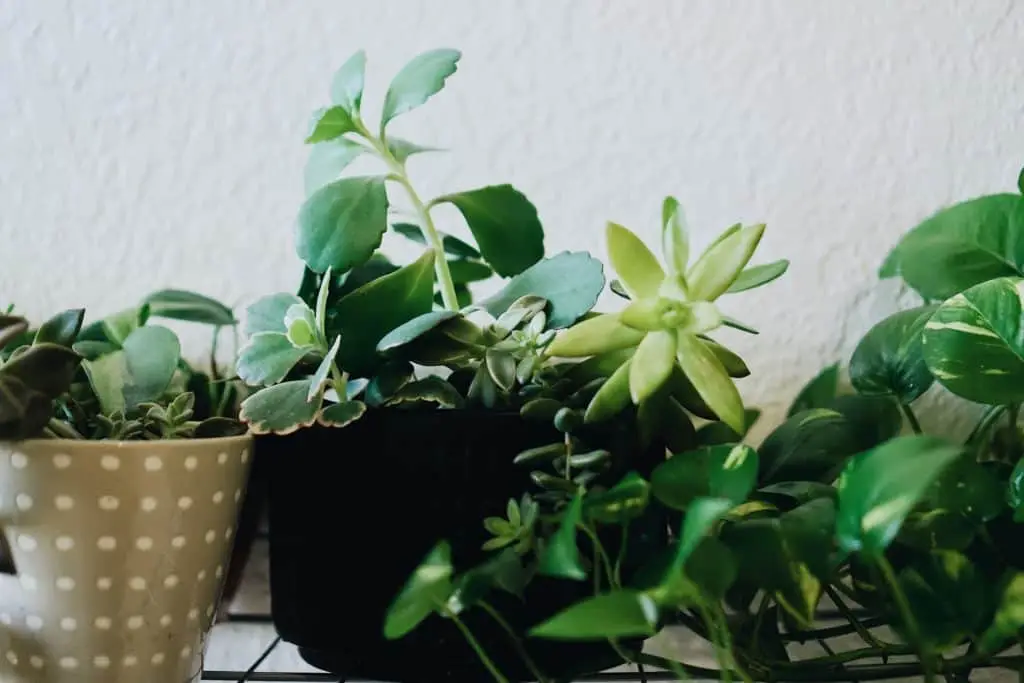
[(1012, 417), (908, 616), (988, 419), (444, 275), (516, 642), (621, 555), (340, 381), (862, 631), (911, 418), (477, 648), (599, 551)]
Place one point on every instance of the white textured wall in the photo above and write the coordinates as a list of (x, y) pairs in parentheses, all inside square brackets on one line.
[(153, 143)]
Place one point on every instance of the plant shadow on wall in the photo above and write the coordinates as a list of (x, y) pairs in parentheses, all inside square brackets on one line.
[(602, 452)]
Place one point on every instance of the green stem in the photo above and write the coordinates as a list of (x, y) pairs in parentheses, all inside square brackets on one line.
[(988, 419), (340, 381), (621, 555), (599, 551), (908, 616), (1012, 418), (214, 373), (516, 642), (911, 418), (477, 648), (844, 609)]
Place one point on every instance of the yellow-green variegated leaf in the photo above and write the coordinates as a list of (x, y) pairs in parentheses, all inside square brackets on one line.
[(974, 342), (638, 269), (594, 336), (709, 377), (721, 263), (652, 364)]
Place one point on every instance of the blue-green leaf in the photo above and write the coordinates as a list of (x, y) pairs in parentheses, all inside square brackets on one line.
[(151, 355), (330, 124), (418, 81), (327, 160), (347, 84), (267, 358), (280, 409), (427, 589), (342, 224)]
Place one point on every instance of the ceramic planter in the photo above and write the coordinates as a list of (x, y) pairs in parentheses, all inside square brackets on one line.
[(354, 510), (119, 553)]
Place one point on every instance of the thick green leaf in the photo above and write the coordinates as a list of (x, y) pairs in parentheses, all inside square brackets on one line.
[(594, 337), (702, 367), (419, 80), (327, 160), (331, 123), (1009, 617), (612, 398), (963, 245), (267, 358), (12, 329), (342, 223), (347, 84), (675, 237), (621, 614), (810, 446), (430, 389), (178, 304), (108, 375), (151, 354), (267, 314), (949, 599), (721, 263), (652, 364), (620, 504), (363, 317), (817, 393), (974, 343), (726, 471), (426, 590), (504, 224), (637, 268), (341, 414), (880, 487), (414, 329), (757, 276), (889, 358), (281, 409), (571, 282), (561, 557), (61, 329)]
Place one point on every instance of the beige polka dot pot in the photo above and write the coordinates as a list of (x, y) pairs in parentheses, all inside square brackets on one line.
[(119, 552)]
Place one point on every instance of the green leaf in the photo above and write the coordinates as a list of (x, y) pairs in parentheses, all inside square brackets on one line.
[(652, 364), (561, 557), (712, 568), (810, 446), (880, 487), (612, 398), (267, 358), (961, 246), (870, 420), (702, 367), (889, 358), (61, 329), (1015, 491), (151, 354), (280, 409), (464, 271), (267, 314), (29, 382), (620, 504), (675, 238), (367, 314), (757, 276), (620, 614), (637, 268), (974, 343), (701, 516), (12, 328), (323, 371), (949, 599), (331, 124), (718, 433), (738, 325), (342, 223), (419, 80), (453, 246), (178, 304), (401, 149), (721, 264), (414, 329), (571, 282), (347, 84), (426, 590), (341, 414), (118, 326), (430, 389), (726, 471), (327, 160), (971, 489), (595, 336), (1009, 617), (504, 224), (108, 375)]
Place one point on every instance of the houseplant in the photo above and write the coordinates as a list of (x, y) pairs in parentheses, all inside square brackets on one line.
[(345, 415), (912, 532), (121, 473)]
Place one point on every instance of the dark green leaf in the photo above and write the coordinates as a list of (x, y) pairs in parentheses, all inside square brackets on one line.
[(969, 488), (790, 494), (817, 393), (418, 81), (504, 570), (701, 516), (949, 599), (1009, 617), (267, 358), (612, 398), (29, 382), (937, 529), (430, 389), (889, 358), (342, 223), (1015, 491), (502, 368), (61, 329), (11, 328), (280, 409), (330, 124), (870, 420), (327, 160), (712, 568), (347, 84), (414, 329), (756, 276), (341, 414), (727, 471), (505, 226), (427, 589), (880, 487), (810, 446), (961, 246), (218, 428), (453, 246), (465, 271), (974, 343), (178, 304), (621, 614), (151, 355), (561, 557), (620, 504), (267, 314), (389, 379), (717, 433)]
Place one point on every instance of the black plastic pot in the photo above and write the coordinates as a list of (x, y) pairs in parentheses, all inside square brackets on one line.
[(354, 510)]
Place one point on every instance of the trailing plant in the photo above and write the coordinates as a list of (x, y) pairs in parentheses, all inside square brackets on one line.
[(120, 377), (840, 508)]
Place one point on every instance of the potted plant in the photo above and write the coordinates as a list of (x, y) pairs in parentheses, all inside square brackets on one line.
[(847, 503), (391, 406), (121, 473)]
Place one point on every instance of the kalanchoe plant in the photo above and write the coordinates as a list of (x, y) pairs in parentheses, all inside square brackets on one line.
[(118, 378)]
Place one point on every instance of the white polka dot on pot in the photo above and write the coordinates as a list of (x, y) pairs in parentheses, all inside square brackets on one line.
[(148, 504), (153, 464), (222, 458), (68, 624), (111, 463), (65, 583), (23, 502), (106, 543), (12, 657), (191, 463), (186, 652), (144, 543), (137, 583), (129, 661), (171, 581), (135, 623), (184, 502), (68, 663), (64, 503), (34, 622), (109, 503), (158, 659), (104, 583), (64, 543), (62, 461), (178, 542), (103, 623), (27, 543), (36, 662), (166, 620), (19, 461), (218, 497), (101, 662), (211, 536)]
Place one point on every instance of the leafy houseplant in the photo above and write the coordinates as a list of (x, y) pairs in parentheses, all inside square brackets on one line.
[(377, 377), (917, 533), (109, 441)]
